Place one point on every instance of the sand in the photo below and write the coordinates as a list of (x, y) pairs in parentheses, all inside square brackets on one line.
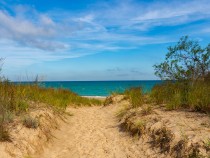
[(92, 132), (96, 132)]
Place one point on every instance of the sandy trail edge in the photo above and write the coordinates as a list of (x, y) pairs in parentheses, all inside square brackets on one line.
[(92, 132)]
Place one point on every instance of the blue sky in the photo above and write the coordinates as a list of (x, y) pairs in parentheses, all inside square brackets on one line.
[(95, 40)]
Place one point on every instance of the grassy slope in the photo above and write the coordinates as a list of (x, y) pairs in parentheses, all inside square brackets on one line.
[(19, 99)]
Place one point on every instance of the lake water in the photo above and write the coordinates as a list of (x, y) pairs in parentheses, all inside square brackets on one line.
[(100, 88)]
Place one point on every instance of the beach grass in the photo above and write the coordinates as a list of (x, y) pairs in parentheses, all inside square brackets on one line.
[(176, 95), (135, 96), (16, 99)]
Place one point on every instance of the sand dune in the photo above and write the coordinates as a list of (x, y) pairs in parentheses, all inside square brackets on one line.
[(92, 132), (95, 132)]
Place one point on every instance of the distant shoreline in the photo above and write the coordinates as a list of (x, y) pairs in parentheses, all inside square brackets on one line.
[(95, 97), (98, 88)]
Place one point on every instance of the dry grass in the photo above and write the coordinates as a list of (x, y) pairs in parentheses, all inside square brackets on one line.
[(30, 122), (122, 111), (146, 110), (207, 144), (108, 101), (162, 138), (5, 136), (140, 125), (179, 149), (195, 153)]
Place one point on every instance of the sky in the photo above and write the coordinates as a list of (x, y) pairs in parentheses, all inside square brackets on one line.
[(82, 40)]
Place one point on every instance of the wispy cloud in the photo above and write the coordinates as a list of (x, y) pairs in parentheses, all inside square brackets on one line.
[(26, 32), (32, 36)]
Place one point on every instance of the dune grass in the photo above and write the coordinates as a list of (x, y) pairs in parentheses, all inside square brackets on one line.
[(135, 96), (176, 95), (16, 99), (173, 95)]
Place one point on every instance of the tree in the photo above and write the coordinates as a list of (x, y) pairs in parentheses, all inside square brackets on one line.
[(187, 60)]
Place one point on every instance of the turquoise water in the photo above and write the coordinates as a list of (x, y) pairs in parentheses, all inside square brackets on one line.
[(100, 88)]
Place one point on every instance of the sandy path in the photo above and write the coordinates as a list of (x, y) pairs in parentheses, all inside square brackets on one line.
[(92, 132)]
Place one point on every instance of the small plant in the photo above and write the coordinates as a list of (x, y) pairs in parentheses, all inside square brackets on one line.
[(195, 153), (4, 136), (141, 126), (108, 101), (179, 149), (207, 144), (122, 111), (146, 110), (30, 122), (162, 138), (136, 97), (23, 106), (8, 117), (69, 113)]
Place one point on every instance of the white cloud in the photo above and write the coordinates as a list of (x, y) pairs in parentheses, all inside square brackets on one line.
[(29, 36), (37, 34)]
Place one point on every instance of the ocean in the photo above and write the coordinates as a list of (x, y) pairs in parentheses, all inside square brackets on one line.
[(100, 88)]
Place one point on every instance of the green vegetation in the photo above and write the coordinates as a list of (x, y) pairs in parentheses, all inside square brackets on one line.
[(30, 122), (187, 60), (207, 144), (187, 67), (186, 85), (182, 95), (17, 99), (135, 96), (140, 125)]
